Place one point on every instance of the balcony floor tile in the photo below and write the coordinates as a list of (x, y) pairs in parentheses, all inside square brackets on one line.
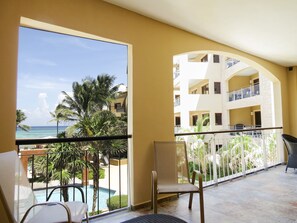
[(266, 197)]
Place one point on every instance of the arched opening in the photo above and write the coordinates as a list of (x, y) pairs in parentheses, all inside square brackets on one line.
[(238, 102), (231, 89)]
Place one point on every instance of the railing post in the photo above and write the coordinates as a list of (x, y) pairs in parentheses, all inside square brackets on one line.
[(264, 150), (214, 160), (242, 155), (280, 148)]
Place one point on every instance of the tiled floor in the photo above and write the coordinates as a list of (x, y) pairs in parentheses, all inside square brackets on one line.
[(268, 196)]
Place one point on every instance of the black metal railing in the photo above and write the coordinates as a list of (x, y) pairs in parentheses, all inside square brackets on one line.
[(97, 164)]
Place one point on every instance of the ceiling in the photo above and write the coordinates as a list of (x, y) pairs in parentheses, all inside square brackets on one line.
[(265, 28)]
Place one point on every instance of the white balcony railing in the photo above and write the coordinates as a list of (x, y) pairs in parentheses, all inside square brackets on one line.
[(230, 62), (247, 92), (225, 155)]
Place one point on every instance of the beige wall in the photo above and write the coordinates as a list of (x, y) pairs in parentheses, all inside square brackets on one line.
[(238, 82), (154, 45), (241, 116)]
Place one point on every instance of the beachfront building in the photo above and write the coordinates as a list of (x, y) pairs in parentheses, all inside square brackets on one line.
[(119, 105), (233, 94)]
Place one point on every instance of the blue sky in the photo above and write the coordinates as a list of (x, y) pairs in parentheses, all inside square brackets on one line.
[(49, 63)]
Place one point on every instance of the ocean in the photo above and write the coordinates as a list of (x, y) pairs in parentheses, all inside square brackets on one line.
[(38, 132)]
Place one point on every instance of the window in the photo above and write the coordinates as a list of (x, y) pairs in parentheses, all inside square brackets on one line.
[(118, 107), (218, 118), (204, 89), (177, 100), (205, 58), (216, 58), (205, 117), (217, 87), (194, 119), (177, 121)]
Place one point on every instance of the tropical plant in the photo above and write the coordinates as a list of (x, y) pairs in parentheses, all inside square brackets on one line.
[(59, 116), (20, 117), (63, 161), (104, 123), (117, 201), (241, 147), (88, 108), (198, 147)]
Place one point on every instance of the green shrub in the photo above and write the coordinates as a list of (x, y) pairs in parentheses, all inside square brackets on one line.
[(95, 213), (114, 202)]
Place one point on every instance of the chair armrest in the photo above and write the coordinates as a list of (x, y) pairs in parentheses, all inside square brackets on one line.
[(67, 186), (48, 204)]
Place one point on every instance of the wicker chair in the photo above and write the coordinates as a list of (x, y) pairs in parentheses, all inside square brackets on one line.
[(171, 174), (291, 145)]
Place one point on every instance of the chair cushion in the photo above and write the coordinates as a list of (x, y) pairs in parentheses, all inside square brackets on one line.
[(177, 188), (56, 213)]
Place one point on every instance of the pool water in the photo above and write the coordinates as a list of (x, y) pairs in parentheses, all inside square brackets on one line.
[(88, 193)]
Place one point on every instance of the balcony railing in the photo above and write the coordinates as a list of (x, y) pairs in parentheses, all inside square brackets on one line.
[(97, 164), (176, 74), (230, 62), (224, 155), (247, 92)]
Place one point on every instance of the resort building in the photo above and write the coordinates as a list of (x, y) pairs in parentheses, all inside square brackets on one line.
[(231, 93), (120, 104), (231, 55)]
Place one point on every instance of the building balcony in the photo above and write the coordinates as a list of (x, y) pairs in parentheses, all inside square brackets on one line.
[(267, 196), (230, 201), (242, 93), (222, 157)]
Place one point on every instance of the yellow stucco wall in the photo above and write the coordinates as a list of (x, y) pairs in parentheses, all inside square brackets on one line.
[(238, 82), (241, 116), (154, 45)]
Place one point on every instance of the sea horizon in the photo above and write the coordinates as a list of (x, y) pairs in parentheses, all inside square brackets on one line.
[(39, 131)]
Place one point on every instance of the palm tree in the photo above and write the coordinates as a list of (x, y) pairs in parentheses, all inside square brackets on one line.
[(105, 123), (20, 117), (63, 160), (87, 108), (58, 116), (104, 91)]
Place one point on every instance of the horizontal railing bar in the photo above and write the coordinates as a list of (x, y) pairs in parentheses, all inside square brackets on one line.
[(19, 142), (225, 131)]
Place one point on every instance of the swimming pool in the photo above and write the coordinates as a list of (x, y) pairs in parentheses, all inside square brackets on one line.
[(40, 195)]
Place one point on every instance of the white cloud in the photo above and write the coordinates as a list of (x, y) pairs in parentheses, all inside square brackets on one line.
[(42, 102), (43, 62), (41, 81), (40, 115)]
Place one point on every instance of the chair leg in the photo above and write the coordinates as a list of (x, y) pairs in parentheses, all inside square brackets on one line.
[(155, 202), (152, 197), (201, 207), (286, 168), (87, 218), (190, 200), (201, 196)]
